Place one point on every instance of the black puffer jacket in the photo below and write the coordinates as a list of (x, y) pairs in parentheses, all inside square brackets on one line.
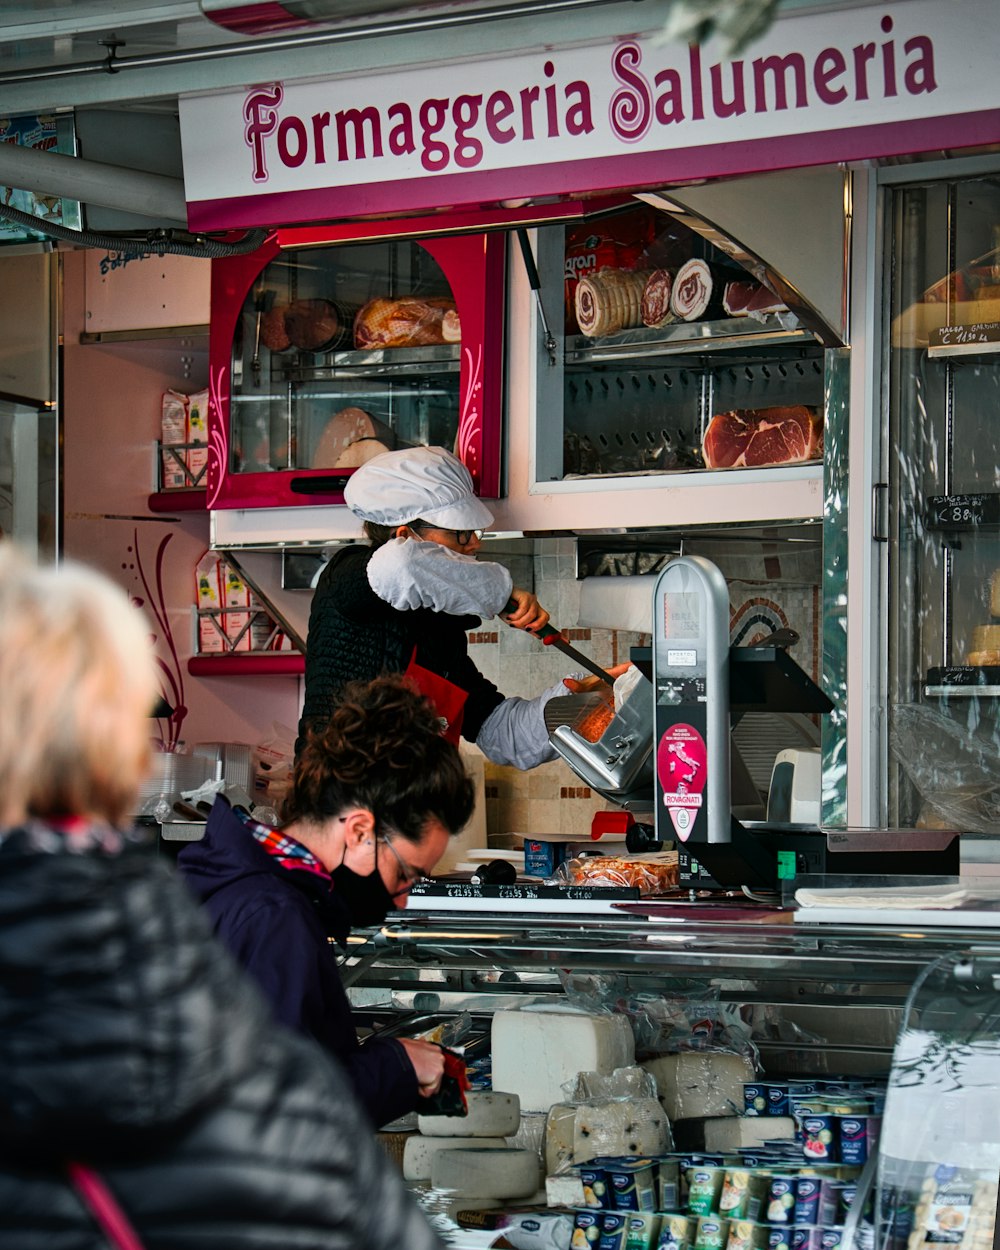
[(130, 1041)]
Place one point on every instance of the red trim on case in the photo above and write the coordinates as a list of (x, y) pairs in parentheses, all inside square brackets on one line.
[(255, 19)]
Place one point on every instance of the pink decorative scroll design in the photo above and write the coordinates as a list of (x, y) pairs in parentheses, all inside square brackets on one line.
[(171, 670), (218, 441), (470, 418)]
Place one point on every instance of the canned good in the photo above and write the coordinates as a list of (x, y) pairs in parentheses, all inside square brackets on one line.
[(755, 1099), (858, 1137), (816, 1200), (780, 1199), (819, 1137), (747, 1235), (806, 1237), (642, 1230), (596, 1191), (779, 1238), (778, 1098), (846, 1193), (744, 1192), (614, 1226), (676, 1231), (712, 1233), (632, 1184), (704, 1188), (586, 1230)]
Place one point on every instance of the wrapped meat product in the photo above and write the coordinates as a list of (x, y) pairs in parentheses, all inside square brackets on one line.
[(655, 305), (648, 874), (610, 301), (317, 325), (697, 291), (273, 333), (406, 322), (351, 437), (749, 299), (763, 436)]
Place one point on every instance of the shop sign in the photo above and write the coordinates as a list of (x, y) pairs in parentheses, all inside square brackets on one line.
[(877, 80)]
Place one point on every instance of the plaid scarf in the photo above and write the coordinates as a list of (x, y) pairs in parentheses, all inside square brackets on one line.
[(286, 850)]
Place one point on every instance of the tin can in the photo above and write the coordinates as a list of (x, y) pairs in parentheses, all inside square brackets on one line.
[(858, 1137), (780, 1199), (819, 1138)]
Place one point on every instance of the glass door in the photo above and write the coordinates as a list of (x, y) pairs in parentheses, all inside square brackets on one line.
[(943, 528)]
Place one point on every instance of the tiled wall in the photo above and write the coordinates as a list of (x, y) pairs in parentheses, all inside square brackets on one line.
[(771, 592)]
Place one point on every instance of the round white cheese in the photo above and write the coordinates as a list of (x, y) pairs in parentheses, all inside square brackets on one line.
[(491, 1114), (419, 1152), (486, 1173)]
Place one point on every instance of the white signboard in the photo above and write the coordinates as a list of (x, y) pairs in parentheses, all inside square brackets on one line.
[(845, 85)]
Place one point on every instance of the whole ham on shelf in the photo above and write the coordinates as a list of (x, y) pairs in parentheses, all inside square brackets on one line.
[(406, 322), (754, 437)]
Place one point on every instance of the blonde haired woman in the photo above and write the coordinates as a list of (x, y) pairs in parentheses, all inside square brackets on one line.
[(142, 1080)]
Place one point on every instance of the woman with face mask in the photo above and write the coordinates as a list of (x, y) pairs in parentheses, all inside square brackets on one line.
[(375, 797)]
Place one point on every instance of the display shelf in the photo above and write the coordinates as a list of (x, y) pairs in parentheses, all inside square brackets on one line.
[(731, 335), (248, 664), (192, 500)]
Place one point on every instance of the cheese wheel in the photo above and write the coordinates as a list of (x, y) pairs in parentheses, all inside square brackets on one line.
[(419, 1152), (491, 1114), (700, 1083), (538, 1048), (486, 1173), (982, 659), (620, 1127), (985, 638), (734, 1132)]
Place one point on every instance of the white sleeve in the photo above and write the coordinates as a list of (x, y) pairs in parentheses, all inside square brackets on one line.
[(409, 573), (514, 733)]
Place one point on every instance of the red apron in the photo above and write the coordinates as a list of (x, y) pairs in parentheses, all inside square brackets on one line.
[(448, 699)]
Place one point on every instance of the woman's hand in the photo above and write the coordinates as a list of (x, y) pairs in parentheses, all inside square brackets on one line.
[(428, 1063), (523, 611), (583, 685)]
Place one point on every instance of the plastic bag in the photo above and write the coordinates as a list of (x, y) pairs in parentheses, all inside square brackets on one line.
[(955, 769), (654, 874), (273, 761), (615, 1113)]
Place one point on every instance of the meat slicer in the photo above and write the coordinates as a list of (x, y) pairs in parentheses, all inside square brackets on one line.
[(667, 753)]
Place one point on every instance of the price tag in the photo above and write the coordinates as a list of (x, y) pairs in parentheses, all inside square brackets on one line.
[(945, 512)]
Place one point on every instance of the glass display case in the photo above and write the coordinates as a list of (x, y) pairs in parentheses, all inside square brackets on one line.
[(331, 345), (674, 357), (942, 526)]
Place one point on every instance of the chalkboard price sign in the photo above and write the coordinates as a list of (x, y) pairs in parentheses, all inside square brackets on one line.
[(959, 512)]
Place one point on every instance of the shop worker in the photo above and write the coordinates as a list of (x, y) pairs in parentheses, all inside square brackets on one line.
[(375, 797), (404, 604), (142, 1076)]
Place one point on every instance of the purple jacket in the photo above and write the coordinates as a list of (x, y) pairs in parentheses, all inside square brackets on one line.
[(276, 921)]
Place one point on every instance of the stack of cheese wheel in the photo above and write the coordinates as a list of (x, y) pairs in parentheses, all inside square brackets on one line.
[(702, 1093), (984, 645), (468, 1155)]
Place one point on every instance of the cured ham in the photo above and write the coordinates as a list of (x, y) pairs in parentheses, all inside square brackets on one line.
[(697, 292), (351, 437), (655, 304), (750, 299), (406, 322), (317, 325), (610, 301), (762, 436)]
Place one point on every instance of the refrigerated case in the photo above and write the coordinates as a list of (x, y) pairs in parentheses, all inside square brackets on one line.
[(330, 345), (942, 392)]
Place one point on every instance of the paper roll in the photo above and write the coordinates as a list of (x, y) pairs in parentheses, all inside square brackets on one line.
[(618, 602)]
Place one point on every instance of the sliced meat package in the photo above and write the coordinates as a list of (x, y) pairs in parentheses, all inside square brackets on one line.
[(752, 438), (406, 322), (351, 437)]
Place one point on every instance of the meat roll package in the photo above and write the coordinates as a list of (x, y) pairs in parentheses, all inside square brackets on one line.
[(406, 322)]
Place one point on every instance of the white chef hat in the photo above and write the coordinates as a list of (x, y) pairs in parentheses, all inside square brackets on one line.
[(416, 483)]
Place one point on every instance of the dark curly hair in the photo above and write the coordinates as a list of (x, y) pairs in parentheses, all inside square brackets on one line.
[(382, 749)]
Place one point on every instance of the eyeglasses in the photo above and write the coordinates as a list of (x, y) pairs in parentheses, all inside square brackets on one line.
[(462, 537), (408, 873)]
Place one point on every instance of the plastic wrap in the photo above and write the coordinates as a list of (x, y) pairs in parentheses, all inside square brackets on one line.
[(651, 875), (955, 770), (606, 1114)]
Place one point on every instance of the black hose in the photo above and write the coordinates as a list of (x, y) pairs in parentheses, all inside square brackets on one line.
[(160, 241)]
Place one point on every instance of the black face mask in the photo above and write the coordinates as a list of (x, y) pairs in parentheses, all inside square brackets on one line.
[(367, 900)]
